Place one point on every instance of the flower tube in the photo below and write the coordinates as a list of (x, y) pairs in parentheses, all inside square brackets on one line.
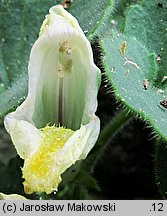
[(56, 125)]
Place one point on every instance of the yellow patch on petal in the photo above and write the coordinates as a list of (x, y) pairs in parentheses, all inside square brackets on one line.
[(40, 171)]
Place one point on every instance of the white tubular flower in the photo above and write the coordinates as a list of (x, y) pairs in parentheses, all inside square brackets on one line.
[(56, 125)]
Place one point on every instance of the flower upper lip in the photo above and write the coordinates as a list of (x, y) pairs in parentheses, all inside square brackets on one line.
[(73, 81)]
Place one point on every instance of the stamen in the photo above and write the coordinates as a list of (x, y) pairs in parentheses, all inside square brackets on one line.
[(60, 70), (68, 52), (68, 65), (63, 47)]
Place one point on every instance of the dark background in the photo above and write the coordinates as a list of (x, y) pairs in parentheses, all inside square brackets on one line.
[(126, 169)]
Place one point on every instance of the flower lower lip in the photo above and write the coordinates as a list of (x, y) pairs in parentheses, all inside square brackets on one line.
[(40, 165)]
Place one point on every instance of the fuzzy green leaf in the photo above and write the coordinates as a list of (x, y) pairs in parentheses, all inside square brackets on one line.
[(92, 15), (14, 95), (148, 24), (122, 6), (87, 180), (127, 73), (19, 26)]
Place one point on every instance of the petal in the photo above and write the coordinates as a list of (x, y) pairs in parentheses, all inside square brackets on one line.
[(11, 197), (79, 144), (59, 10), (25, 136)]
